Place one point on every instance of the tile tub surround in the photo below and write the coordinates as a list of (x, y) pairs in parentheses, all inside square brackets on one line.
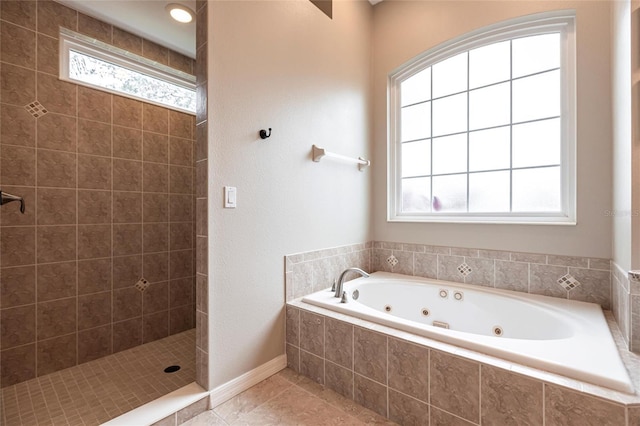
[(626, 306), (108, 183), (526, 272), (408, 378)]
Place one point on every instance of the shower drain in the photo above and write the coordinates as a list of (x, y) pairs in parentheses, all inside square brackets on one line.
[(172, 369)]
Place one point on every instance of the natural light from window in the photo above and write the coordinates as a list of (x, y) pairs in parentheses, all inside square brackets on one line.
[(482, 136)]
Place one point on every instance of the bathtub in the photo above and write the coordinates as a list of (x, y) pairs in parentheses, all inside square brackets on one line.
[(562, 336)]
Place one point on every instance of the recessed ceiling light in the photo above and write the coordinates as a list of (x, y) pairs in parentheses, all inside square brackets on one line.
[(180, 13)]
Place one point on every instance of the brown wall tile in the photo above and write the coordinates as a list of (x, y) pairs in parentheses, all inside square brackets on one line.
[(312, 333), (181, 236), (543, 279), (180, 292), (94, 206), (155, 237), (22, 13), (56, 243), (48, 54), (94, 276), (17, 326), (22, 130), (181, 208), (94, 105), (127, 41), (56, 280), (94, 241), (155, 208), (512, 276), (155, 52), (18, 165), (127, 334), (127, 303), (181, 319), (595, 286), (181, 152), (155, 177), (127, 239), (155, 326), (155, 147), (156, 267), (339, 342), (56, 318), (18, 45), (155, 298), (57, 132), (409, 369), (127, 143), (17, 286), (370, 354), (18, 246), (180, 264), (56, 169), (127, 270), (370, 394), (127, 207), (53, 15), (94, 28), (56, 206), (510, 398), (339, 379), (442, 418), (94, 343), (56, 354), (11, 216), (568, 408), (17, 85), (180, 62), (127, 175), (127, 112), (407, 411), (94, 172), (454, 385), (17, 364), (180, 124), (312, 366), (57, 95), (94, 310), (180, 180), (94, 138)]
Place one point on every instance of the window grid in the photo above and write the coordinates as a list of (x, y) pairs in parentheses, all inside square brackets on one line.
[(467, 132)]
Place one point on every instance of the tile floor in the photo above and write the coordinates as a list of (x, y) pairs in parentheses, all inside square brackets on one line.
[(288, 398), (94, 392)]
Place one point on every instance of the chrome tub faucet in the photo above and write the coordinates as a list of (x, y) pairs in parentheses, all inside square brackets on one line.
[(340, 285)]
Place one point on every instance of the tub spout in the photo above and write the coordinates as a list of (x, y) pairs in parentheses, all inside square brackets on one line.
[(340, 284)]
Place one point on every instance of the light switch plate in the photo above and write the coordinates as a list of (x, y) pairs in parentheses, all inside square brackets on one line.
[(230, 195)]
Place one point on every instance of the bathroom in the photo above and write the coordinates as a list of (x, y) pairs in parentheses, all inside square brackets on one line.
[(315, 80)]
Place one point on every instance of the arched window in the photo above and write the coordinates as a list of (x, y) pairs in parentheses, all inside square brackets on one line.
[(482, 128)]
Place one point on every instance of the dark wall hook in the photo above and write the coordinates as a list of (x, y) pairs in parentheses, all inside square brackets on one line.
[(264, 134)]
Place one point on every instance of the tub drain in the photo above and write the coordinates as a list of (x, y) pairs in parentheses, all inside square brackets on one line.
[(497, 331), (172, 369)]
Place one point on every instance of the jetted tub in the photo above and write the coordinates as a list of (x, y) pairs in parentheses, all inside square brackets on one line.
[(561, 336)]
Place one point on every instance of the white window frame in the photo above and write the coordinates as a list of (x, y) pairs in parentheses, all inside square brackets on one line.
[(70, 40), (557, 21)]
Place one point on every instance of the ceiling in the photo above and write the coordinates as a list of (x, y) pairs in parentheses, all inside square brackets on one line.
[(146, 18)]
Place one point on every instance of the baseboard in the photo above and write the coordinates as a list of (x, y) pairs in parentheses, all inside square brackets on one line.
[(240, 384)]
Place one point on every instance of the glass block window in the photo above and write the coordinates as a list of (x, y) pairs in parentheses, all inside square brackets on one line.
[(92, 63), (482, 128)]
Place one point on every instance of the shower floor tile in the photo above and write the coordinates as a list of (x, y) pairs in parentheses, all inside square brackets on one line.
[(97, 391)]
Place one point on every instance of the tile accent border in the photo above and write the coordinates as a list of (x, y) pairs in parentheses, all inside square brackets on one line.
[(525, 272), (406, 380)]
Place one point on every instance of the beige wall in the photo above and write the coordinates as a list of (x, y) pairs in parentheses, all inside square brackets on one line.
[(284, 65), (404, 29)]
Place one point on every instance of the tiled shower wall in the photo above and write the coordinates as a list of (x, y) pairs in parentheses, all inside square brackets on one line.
[(108, 184), (202, 298), (626, 306), (575, 278)]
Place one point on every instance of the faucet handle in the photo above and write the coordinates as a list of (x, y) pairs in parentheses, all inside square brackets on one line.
[(333, 287), (344, 297)]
